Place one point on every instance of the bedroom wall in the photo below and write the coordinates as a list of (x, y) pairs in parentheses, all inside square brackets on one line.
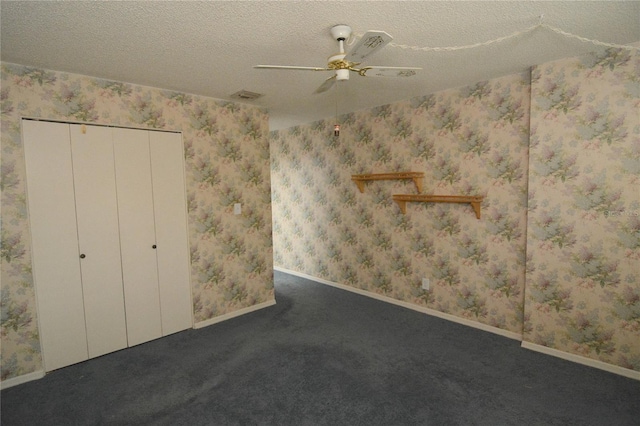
[(554, 258), (583, 245), (226, 162), (469, 141)]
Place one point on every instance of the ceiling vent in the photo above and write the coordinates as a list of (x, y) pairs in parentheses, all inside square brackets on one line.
[(245, 95)]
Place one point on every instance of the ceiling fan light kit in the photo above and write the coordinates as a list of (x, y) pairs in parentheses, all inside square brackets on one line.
[(342, 74)]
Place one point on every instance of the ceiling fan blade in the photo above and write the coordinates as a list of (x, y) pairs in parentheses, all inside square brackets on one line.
[(369, 44), (288, 67), (328, 83), (378, 71)]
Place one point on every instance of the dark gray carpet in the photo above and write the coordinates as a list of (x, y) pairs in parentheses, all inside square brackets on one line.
[(324, 356)]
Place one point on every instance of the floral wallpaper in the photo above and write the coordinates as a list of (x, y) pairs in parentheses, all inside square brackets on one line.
[(469, 141), (226, 162), (554, 257), (556, 155), (583, 273)]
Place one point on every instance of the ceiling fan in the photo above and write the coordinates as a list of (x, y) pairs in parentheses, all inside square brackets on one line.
[(342, 63)]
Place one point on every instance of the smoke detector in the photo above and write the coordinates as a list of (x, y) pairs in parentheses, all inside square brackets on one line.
[(245, 95)]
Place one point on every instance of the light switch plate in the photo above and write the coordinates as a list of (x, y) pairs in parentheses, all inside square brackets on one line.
[(425, 283)]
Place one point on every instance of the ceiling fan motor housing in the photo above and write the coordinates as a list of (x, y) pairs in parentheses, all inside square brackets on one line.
[(337, 62)]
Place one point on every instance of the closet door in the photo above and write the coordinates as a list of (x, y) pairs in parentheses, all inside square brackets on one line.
[(170, 209), (54, 241), (98, 238), (137, 235)]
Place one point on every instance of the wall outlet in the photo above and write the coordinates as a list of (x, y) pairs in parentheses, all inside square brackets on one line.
[(237, 208), (425, 283)]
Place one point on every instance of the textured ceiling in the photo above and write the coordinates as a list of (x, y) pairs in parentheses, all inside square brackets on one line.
[(209, 48)]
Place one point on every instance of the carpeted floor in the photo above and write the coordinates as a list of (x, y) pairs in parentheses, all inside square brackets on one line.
[(324, 356)]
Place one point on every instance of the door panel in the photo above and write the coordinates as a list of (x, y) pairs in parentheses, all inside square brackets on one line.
[(56, 268), (112, 195), (137, 235), (98, 238), (170, 207)]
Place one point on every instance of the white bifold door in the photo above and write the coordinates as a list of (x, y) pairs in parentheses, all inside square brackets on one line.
[(107, 209), (98, 238)]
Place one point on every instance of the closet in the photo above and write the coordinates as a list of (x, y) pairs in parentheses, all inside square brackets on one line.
[(110, 256)]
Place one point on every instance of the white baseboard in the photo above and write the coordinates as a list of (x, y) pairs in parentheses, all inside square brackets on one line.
[(527, 345), (422, 309), (234, 314), (632, 374), (14, 381)]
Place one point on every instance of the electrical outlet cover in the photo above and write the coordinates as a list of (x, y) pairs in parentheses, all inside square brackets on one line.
[(425, 283)]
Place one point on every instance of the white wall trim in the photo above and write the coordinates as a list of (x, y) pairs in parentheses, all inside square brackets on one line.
[(14, 381), (422, 309), (632, 374), (234, 314)]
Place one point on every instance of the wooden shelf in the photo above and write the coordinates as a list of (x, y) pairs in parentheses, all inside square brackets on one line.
[(402, 200), (415, 176)]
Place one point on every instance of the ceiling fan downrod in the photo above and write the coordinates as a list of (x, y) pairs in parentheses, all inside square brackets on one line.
[(340, 32)]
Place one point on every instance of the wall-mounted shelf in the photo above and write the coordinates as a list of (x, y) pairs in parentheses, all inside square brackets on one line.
[(415, 176), (402, 200)]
